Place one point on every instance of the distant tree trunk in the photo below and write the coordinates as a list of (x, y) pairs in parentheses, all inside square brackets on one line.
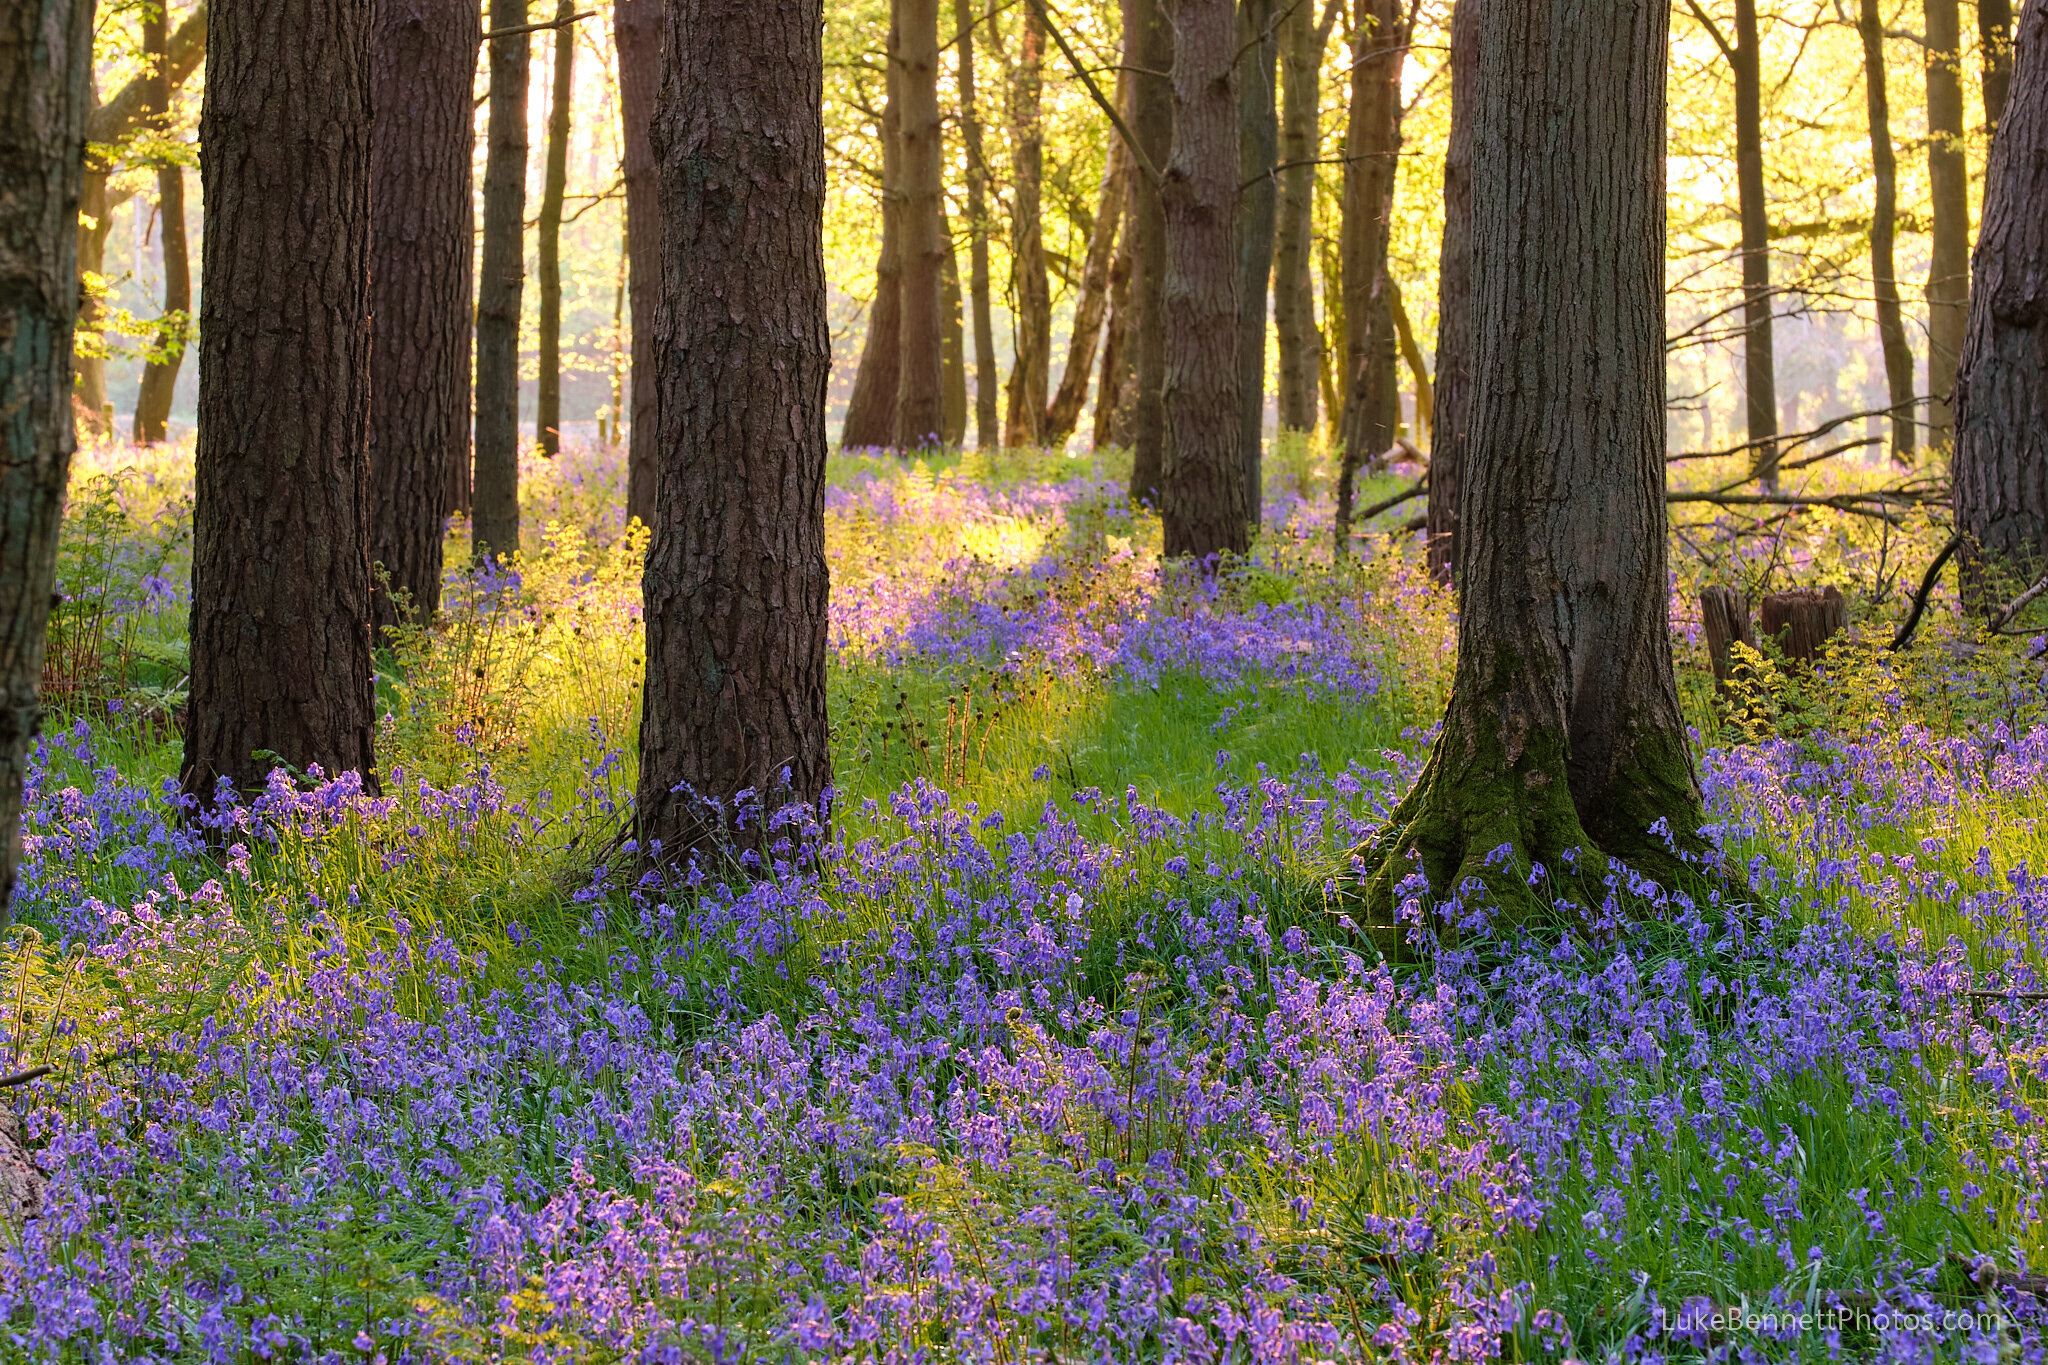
[(1563, 730), (1450, 438), (1148, 47), (422, 279), (871, 408), (1204, 504), (2001, 455), (547, 406), (1891, 326), (1372, 406), (954, 342), (1116, 390), (1948, 176), (160, 374), (1258, 152), (1303, 41), (1759, 366), (986, 434), (736, 578), (501, 280), (281, 665), (95, 221), (45, 95), (921, 372), (1994, 37), (1091, 302), (637, 25), (1411, 356), (1030, 376)]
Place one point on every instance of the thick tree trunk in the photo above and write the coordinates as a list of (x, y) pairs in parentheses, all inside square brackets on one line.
[(1302, 42), (1994, 39), (1091, 303), (637, 26), (2001, 455), (736, 578), (1148, 48), (921, 374), (1759, 365), (954, 341), (281, 666), (1891, 325), (1563, 737), (422, 278), (1258, 152), (45, 95), (870, 422), (160, 374), (1451, 436), (501, 281), (986, 434), (1030, 377), (1948, 177), (547, 405), (1203, 506), (1372, 405)]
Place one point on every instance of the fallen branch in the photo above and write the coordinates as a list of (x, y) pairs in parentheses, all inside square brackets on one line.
[(24, 1077), (1420, 487), (1927, 582), (1992, 1277), (2018, 605), (1840, 502)]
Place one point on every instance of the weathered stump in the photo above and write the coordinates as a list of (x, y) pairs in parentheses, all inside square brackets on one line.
[(1724, 619), (1803, 620)]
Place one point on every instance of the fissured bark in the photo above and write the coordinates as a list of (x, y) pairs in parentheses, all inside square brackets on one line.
[(1448, 434), (637, 25), (1148, 41), (500, 285), (920, 376)]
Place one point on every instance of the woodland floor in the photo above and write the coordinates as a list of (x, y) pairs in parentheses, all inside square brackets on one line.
[(1054, 1047)]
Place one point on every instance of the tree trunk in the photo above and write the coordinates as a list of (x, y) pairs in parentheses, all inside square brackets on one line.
[(1030, 376), (1948, 177), (422, 278), (985, 431), (736, 578), (1891, 326), (1418, 368), (1372, 397), (45, 95), (1724, 620), (160, 374), (1302, 43), (1091, 303), (1258, 152), (871, 408), (1148, 48), (1116, 390), (1451, 437), (2001, 455), (1802, 621), (637, 25), (1759, 366), (281, 664), (954, 342), (921, 373), (501, 279), (1563, 734), (95, 221), (547, 406), (1994, 38), (1204, 504)]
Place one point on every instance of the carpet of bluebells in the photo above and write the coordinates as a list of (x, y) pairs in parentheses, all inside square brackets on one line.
[(1051, 1040)]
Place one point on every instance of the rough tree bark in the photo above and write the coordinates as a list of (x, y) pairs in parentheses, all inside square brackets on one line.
[(736, 580), (1115, 390), (1258, 152), (1148, 48), (954, 342), (1891, 325), (1303, 40), (45, 95), (1091, 302), (2001, 454), (1759, 364), (1563, 738), (1026, 397), (1994, 41), (1203, 506), (1948, 176), (920, 371), (281, 665), (637, 27), (986, 434), (422, 275), (870, 421), (1450, 438), (547, 400), (501, 282), (160, 374)]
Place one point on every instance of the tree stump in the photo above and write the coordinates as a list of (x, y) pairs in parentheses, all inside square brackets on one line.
[(1724, 619), (1803, 620)]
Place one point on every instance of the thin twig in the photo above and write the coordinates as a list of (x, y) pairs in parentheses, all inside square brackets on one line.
[(1144, 163), (560, 21)]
